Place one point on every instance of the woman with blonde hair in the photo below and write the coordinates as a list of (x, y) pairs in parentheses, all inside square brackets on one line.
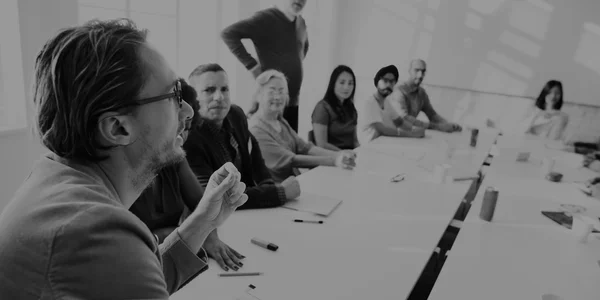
[(283, 150)]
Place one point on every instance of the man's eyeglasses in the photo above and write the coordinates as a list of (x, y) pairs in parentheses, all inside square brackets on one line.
[(177, 94)]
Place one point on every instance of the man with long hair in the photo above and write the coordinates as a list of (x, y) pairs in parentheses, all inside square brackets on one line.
[(110, 110)]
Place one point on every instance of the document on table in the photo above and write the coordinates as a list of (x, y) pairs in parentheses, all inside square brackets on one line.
[(317, 204)]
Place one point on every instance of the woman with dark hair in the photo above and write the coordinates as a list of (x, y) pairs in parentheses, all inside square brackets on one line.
[(334, 118), (546, 119), (175, 193), (283, 150)]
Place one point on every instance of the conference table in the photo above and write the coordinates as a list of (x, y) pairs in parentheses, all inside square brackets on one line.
[(376, 243), (522, 254)]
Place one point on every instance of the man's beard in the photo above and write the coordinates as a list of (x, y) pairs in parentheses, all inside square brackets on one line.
[(153, 159), (384, 92)]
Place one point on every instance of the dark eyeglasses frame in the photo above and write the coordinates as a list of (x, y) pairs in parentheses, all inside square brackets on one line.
[(177, 94)]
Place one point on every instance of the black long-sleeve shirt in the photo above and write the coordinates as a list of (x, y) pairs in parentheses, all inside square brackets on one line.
[(205, 155), (280, 44)]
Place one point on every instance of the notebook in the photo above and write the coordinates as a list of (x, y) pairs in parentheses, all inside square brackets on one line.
[(562, 219), (317, 204)]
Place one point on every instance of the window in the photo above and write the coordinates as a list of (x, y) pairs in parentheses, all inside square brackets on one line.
[(12, 89), (159, 17), (186, 32)]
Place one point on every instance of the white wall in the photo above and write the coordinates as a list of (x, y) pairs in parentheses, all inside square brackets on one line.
[(39, 19), (12, 108), (506, 46)]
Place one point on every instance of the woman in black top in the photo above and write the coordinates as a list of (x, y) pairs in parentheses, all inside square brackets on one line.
[(334, 118)]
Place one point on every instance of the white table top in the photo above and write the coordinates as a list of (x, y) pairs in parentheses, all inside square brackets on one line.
[(437, 148), (522, 254), (497, 262), (322, 261), (364, 193), (437, 138), (377, 242)]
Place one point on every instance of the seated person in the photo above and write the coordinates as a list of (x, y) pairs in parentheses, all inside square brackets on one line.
[(284, 151), (545, 119), (174, 193), (111, 120), (222, 135), (334, 118), (409, 99), (379, 121)]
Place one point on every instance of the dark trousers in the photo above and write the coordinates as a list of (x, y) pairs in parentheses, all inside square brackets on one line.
[(290, 114)]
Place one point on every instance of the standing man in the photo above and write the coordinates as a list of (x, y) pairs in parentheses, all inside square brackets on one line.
[(281, 42), (409, 99), (379, 119)]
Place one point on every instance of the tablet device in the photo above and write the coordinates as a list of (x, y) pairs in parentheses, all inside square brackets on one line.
[(562, 219)]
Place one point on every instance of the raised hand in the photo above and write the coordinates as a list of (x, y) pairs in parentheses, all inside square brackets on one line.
[(224, 194)]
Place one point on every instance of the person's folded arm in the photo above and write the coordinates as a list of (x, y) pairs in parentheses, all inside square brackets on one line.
[(276, 156), (391, 131), (396, 105), (403, 124), (310, 161), (320, 132), (527, 120), (320, 123), (309, 155), (318, 151), (249, 28)]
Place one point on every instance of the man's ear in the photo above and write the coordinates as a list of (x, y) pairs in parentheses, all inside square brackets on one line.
[(116, 130)]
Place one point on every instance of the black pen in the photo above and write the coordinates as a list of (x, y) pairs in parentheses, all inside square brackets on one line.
[(308, 221), (240, 274)]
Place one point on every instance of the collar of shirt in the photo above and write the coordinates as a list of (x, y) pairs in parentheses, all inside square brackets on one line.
[(378, 96), (214, 129)]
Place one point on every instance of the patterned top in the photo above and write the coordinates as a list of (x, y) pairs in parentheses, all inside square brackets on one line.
[(225, 139)]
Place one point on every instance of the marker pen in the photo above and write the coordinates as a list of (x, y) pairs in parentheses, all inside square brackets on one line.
[(264, 244), (308, 221)]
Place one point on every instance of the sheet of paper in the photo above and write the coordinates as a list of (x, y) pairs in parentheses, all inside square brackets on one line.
[(320, 205)]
